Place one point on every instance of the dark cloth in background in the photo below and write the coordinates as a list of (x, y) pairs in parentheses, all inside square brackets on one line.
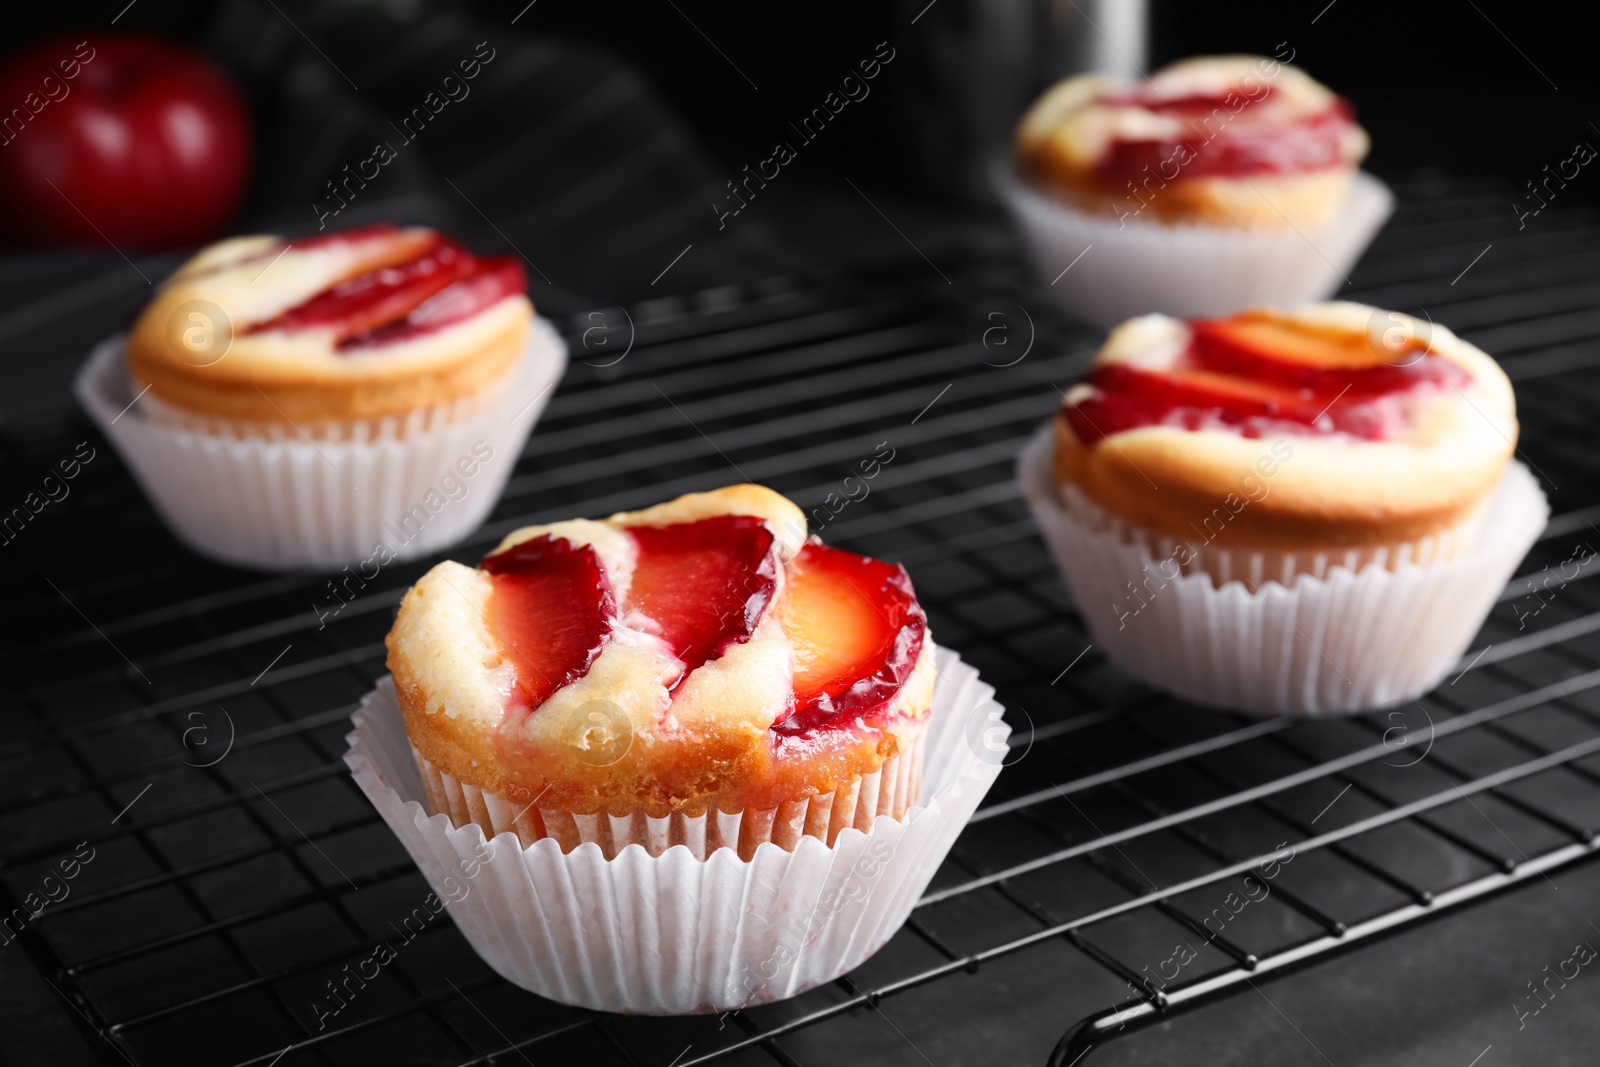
[(552, 150), (568, 153)]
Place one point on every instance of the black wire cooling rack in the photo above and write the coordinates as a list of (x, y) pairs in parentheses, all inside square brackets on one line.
[(182, 724)]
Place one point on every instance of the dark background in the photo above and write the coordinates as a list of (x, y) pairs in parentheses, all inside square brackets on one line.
[(1472, 87), (1435, 82)]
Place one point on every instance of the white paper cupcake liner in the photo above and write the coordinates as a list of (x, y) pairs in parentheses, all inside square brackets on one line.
[(890, 791), (280, 502), (1322, 639), (1189, 271), (672, 933)]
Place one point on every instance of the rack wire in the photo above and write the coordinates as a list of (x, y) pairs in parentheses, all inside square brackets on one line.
[(185, 721)]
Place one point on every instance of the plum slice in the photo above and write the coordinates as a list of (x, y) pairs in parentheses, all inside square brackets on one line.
[(856, 629), (550, 610), (703, 586)]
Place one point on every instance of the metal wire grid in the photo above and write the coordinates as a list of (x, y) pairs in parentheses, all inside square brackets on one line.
[(221, 898)]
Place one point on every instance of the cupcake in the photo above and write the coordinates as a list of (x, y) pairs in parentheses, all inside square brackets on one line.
[(1218, 183), (694, 673), (703, 756), (327, 399), (1301, 511)]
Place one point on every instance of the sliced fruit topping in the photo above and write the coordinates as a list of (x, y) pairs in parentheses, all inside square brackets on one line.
[(702, 586), (491, 280), (417, 282), (1294, 344), (856, 629), (369, 300), (550, 611), (1254, 140), (1254, 369), (1126, 398), (1193, 103), (1325, 359)]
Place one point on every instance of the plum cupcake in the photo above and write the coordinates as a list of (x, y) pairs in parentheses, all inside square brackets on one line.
[(1286, 511), (674, 705), (1219, 183), (324, 400), (691, 674)]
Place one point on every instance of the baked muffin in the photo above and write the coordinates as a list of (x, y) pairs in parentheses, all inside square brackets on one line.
[(1218, 140), (1286, 510), (1220, 183), (349, 398), (357, 325), (696, 673), (673, 761), (1331, 429)]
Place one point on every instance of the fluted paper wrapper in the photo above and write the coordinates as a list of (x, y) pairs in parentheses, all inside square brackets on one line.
[(1189, 271), (672, 933), (1320, 639), (287, 501), (889, 791)]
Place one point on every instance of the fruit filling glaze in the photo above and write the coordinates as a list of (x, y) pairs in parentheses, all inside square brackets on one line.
[(428, 283), (700, 588), (1256, 373), (1227, 135)]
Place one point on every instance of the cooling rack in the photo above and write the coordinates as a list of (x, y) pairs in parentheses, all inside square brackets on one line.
[(181, 724)]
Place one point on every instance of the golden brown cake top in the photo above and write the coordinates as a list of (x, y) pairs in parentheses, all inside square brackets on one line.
[(356, 324), (1328, 424), (1209, 117)]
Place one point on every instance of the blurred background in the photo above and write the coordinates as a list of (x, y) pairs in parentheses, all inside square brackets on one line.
[(600, 139)]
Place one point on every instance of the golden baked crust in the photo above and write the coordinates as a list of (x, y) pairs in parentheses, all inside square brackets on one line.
[(1300, 491), (710, 743), (180, 345), (1063, 141)]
